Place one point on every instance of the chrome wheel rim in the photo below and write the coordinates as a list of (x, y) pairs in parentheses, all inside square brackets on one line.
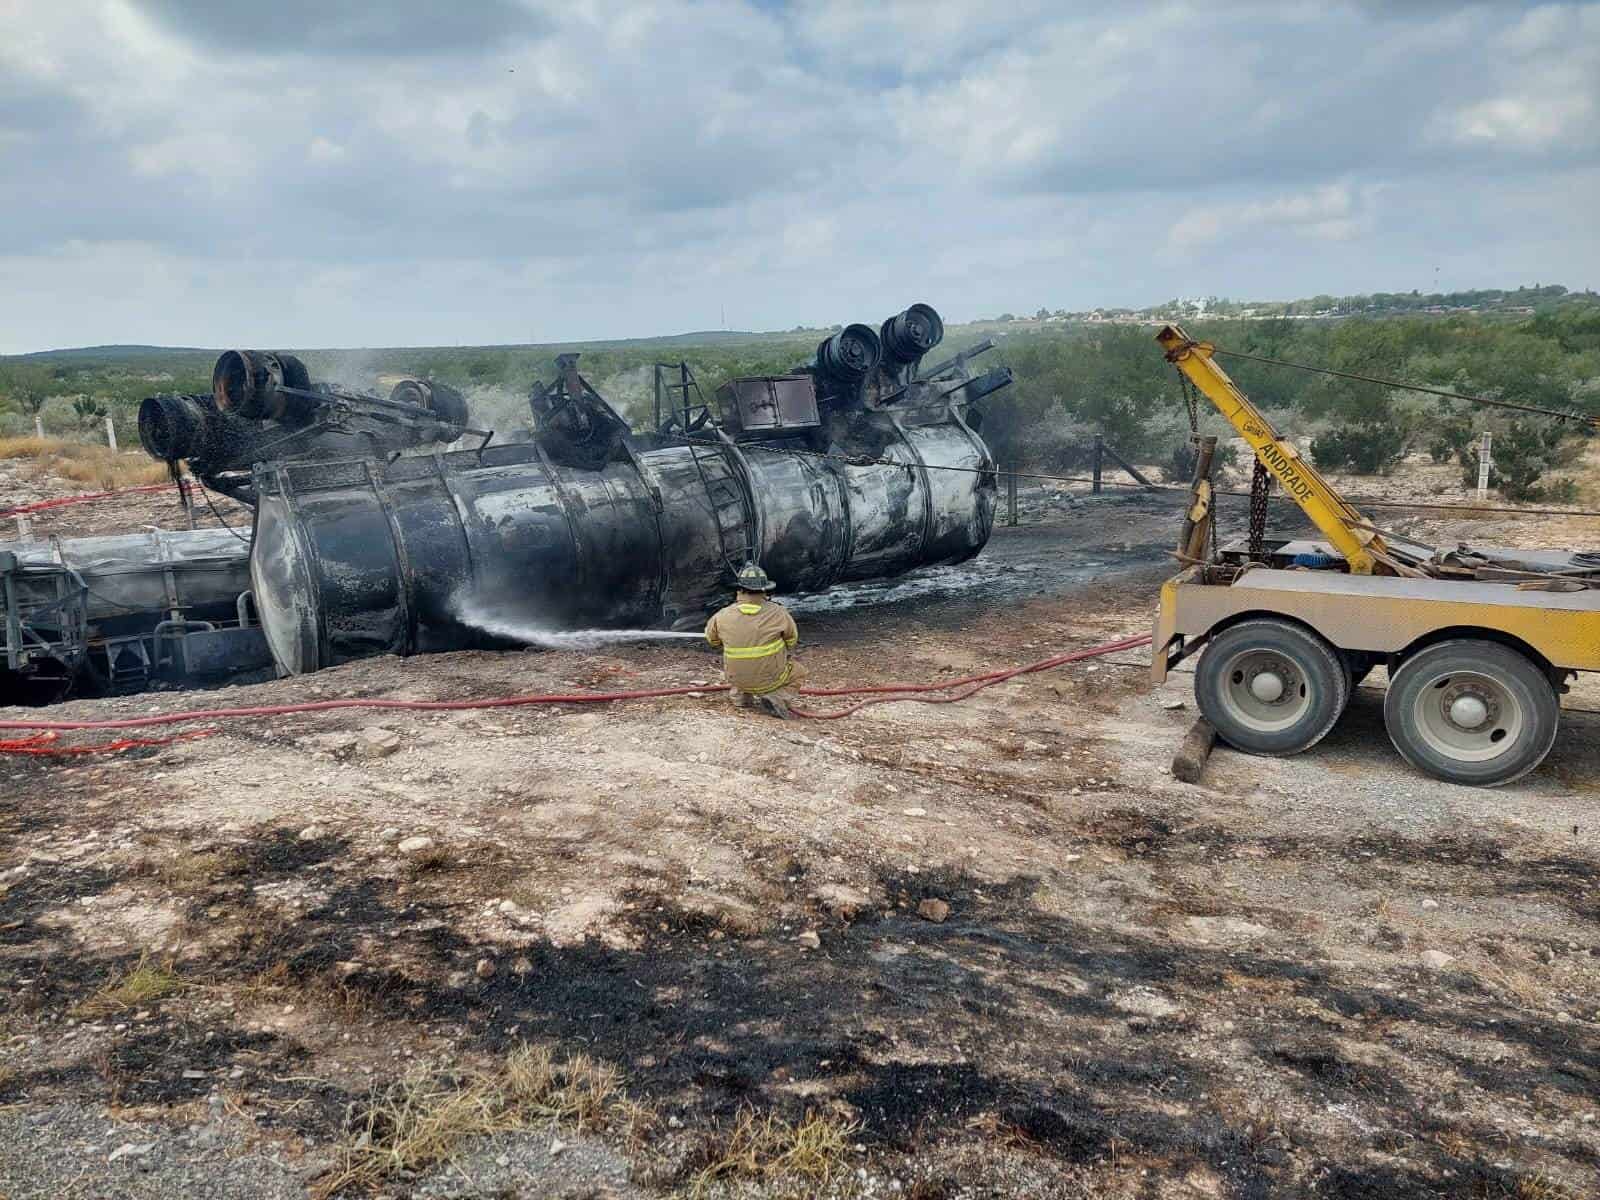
[(1264, 690), (1468, 716)]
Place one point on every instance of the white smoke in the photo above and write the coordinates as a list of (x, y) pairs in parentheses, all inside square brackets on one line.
[(353, 370), (497, 407)]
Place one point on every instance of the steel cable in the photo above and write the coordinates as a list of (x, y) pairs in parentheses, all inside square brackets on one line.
[(1556, 413)]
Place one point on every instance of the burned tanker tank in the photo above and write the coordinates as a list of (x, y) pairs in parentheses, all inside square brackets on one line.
[(121, 613), (858, 464)]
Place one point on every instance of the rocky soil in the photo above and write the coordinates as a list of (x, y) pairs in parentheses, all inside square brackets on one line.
[(993, 946)]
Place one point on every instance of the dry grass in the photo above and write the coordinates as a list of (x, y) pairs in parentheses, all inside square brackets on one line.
[(1541, 1187), (424, 1118), (815, 1151), (190, 872), (145, 982), (97, 466), (1526, 989), (29, 447), (1587, 473), (435, 858)]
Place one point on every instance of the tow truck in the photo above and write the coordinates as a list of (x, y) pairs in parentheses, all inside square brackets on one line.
[(1480, 643)]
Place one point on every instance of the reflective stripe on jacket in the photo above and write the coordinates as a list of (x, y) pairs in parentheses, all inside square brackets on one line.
[(756, 639)]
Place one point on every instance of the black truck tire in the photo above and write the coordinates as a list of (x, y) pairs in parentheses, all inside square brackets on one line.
[(1271, 687), (1472, 711)]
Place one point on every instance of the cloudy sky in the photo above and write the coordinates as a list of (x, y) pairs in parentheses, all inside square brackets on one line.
[(330, 173)]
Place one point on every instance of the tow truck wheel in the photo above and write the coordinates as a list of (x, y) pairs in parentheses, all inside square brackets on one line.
[(1472, 712), (1271, 687)]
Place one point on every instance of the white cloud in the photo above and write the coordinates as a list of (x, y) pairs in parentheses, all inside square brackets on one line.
[(323, 150), (1524, 122), (1542, 81), (610, 169), (1330, 213)]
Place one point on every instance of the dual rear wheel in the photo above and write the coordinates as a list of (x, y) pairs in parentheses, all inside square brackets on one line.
[(1468, 710)]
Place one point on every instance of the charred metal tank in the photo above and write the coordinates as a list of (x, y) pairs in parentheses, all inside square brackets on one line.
[(844, 470)]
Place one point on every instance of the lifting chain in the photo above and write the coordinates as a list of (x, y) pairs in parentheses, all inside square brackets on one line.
[(1260, 488), (1191, 402)]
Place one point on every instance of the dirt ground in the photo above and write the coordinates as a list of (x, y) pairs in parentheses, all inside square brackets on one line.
[(21, 484), (993, 949)]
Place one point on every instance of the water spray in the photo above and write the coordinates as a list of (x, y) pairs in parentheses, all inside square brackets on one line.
[(476, 615)]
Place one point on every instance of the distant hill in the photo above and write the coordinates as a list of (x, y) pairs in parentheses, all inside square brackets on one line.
[(105, 353), (130, 354), (1487, 302)]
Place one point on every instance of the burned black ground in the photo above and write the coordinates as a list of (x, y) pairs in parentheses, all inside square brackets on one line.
[(911, 1026)]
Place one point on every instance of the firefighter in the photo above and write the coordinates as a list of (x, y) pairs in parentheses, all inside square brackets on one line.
[(757, 636)]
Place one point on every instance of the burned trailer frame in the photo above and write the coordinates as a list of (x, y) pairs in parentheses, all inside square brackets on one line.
[(588, 525), (125, 611)]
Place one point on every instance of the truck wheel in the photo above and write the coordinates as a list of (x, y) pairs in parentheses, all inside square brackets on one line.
[(1472, 712), (1269, 687)]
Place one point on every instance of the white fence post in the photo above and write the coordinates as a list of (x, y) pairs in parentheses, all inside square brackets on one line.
[(111, 433), (1485, 460), (38, 426)]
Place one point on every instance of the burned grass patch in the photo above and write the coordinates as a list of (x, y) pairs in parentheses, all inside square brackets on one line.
[(1474, 864), (958, 888), (1321, 1060), (1128, 829), (171, 1063), (276, 853), (1008, 1018), (45, 888)]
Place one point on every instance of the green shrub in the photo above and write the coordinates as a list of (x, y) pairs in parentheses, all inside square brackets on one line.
[(1521, 457), (1363, 449), (1450, 438)]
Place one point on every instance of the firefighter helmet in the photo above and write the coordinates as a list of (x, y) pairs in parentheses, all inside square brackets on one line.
[(753, 579)]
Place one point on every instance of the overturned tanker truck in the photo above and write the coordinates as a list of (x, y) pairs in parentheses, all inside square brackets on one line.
[(370, 539), (858, 464)]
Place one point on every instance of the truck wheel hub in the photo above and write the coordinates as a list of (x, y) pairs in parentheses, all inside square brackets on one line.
[(1469, 712), (1267, 687), (1469, 709)]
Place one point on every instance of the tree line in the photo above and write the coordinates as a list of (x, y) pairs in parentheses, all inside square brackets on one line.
[(1072, 381)]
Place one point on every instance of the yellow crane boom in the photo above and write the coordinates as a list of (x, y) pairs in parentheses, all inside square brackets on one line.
[(1350, 533)]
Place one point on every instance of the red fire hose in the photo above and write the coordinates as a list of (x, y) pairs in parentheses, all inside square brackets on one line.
[(43, 743), (971, 685), (960, 689), (82, 498)]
